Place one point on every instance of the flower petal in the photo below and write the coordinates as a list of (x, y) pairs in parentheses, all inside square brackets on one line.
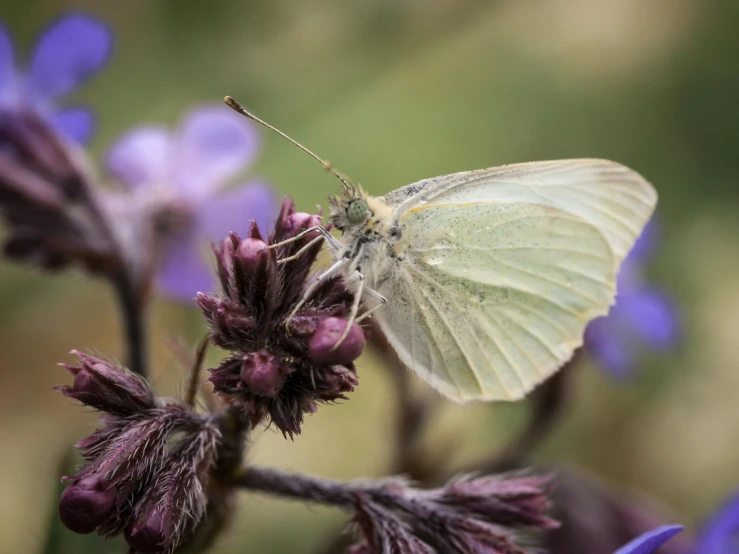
[(185, 271), (721, 534), (67, 53), (7, 65), (234, 210), (141, 157), (651, 541), (75, 123), (605, 342), (646, 243), (213, 144), (652, 316)]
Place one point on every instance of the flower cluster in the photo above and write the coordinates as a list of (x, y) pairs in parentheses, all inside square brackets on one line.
[(147, 470), (46, 199), (282, 364), (466, 516)]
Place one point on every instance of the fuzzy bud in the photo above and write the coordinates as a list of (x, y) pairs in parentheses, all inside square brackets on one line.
[(85, 505), (262, 373), (299, 222), (107, 387), (147, 537), (323, 347)]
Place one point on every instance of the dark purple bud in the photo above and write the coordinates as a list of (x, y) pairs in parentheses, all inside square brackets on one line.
[(263, 374), (323, 345), (299, 222), (255, 277), (146, 537), (107, 387), (86, 504), (360, 548), (224, 254)]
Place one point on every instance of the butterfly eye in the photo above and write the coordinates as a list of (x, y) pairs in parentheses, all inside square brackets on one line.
[(357, 210)]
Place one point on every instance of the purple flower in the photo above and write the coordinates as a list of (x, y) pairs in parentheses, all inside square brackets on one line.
[(66, 54), (720, 534), (180, 176), (651, 541), (643, 317), (282, 364)]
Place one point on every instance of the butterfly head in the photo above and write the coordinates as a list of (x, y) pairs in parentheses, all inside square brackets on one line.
[(350, 208)]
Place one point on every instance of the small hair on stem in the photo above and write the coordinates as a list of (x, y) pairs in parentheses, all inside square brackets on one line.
[(233, 104)]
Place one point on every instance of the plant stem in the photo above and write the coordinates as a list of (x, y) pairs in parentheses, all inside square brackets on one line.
[(134, 328), (295, 486)]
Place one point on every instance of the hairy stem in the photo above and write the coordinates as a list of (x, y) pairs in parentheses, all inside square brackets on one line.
[(297, 487), (193, 379), (134, 328)]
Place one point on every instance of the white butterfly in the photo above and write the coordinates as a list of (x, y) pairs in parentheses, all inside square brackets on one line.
[(484, 281)]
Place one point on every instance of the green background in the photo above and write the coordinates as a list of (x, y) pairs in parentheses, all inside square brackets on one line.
[(392, 91)]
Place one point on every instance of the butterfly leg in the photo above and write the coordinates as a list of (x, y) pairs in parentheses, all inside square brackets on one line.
[(330, 272), (377, 296), (333, 242), (354, 309), (302, 251)]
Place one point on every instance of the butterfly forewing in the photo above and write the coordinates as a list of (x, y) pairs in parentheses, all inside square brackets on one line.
[(612, 197)]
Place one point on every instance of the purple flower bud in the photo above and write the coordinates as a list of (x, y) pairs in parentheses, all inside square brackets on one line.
[(107, 387), (86, 504), (299, 222), (323, 347), (263, 374), (147, 537)]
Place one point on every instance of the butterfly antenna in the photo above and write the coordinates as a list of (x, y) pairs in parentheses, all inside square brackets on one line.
[(233, 104)]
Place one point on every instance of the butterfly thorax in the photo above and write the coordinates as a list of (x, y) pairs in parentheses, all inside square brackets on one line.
[(369, 231)]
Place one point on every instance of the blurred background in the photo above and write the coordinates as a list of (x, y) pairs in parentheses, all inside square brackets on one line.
[(392, 91)]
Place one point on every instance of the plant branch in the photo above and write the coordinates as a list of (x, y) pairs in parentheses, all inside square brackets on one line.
[(297, 487), (134, 329), (193, 380)]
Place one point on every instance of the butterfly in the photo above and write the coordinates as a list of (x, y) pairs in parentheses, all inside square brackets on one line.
[(484, 281)]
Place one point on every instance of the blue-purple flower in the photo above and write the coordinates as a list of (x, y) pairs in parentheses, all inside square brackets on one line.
[(649, 542), (66, 54), (643, 317), (720, 534), (181, 177)]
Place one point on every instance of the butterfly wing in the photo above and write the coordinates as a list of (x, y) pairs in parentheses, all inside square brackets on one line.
[(612, 197), (494, 293)]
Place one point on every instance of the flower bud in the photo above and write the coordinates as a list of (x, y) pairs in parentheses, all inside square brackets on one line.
[(146, 537), (107, 387), (299, 222), (262, 373), (85, 505), (323, 349), (255, 276)]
